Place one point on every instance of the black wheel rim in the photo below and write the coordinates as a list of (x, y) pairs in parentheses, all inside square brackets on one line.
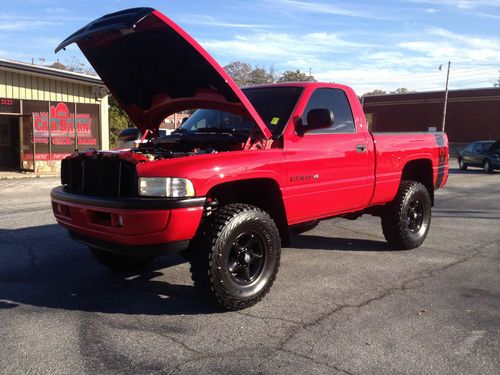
[(246, 258), (415, 216)]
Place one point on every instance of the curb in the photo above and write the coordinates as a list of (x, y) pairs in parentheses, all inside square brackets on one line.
[(21, 176)]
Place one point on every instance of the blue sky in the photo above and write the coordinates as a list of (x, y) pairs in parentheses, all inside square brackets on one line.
[(368, 45)]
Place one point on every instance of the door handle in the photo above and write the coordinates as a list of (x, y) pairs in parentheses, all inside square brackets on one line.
[(360, 148)]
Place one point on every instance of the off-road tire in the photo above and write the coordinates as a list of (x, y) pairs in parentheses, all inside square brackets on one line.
[(487, 166), (461, 164), (401, 217), (118, 262), (303, 228), (212, 255)]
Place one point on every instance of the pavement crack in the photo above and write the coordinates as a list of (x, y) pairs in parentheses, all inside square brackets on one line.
[(315, 361), (403, 287), (264, 318), (171, 338)]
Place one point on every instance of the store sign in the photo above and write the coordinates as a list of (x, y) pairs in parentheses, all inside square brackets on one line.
[(10, 106), (63, 127)]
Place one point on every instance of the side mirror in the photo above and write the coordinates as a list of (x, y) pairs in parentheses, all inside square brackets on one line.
[(319, 118)]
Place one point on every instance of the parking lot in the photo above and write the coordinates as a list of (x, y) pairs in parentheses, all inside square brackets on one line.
[(343, 301)]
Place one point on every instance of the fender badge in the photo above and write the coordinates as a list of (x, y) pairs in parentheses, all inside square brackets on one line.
[(305, 178)]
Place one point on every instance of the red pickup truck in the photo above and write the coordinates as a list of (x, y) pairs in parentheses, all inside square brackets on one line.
[(249, 165)]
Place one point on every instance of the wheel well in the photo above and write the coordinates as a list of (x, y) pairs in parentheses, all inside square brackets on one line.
[(421, 171), (262, 193)]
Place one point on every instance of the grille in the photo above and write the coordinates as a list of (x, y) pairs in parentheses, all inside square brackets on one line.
[(99, 177)]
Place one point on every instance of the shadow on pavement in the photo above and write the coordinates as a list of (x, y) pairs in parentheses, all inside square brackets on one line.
[(309, 241), (42, 266)]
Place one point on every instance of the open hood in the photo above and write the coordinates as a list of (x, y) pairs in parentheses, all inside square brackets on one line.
[(154, 68)]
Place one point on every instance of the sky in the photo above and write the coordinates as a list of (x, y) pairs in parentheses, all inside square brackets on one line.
[(368, 45)]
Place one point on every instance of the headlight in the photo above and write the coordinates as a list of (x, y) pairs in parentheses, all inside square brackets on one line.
[(165, 187)]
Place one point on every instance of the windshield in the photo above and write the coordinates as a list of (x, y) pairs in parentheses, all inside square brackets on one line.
[(274, 105), (214, 121)]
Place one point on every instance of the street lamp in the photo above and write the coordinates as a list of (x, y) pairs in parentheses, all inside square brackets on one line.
[(445, 95)]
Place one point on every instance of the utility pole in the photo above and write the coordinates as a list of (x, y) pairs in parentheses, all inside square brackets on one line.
[(445, 95)]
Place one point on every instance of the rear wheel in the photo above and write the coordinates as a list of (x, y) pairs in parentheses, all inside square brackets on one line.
[(235, 256), (118, 262), (407, 218), (487, 166), (461, 164)]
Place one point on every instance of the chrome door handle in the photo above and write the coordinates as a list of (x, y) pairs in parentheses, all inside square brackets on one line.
[(360, 148)]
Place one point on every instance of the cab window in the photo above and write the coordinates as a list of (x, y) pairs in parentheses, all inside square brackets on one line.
[(336, 101)]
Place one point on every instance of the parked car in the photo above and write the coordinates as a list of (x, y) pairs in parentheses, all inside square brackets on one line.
[(128, 138), (482, 154)]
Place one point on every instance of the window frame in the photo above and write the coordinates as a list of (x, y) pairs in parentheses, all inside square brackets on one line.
[(323, 131)]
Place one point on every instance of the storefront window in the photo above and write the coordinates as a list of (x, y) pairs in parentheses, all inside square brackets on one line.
[(87, 126), (57, 130), (39, 112)]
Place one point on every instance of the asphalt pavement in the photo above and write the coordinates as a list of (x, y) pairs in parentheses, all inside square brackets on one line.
[(343, 301)]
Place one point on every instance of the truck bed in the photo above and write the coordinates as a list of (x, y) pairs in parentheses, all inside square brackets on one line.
[(395, 150)]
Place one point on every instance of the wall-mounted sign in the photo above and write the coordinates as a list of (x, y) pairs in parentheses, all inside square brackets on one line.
[(10, 106), (63, 126)]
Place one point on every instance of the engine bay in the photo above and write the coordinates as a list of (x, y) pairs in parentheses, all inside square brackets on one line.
[(183, 145)]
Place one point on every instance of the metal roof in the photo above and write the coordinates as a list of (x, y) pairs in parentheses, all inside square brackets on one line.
[(50, 72)]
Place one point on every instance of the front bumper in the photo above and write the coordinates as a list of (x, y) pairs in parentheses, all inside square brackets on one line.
[(127, 225)]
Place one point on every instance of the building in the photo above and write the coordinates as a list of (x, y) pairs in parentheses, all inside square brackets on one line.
[(47, 114), (472, 114)]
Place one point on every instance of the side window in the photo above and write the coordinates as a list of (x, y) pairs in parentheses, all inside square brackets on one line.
[(336, 101), (478, 147), (470, 147)]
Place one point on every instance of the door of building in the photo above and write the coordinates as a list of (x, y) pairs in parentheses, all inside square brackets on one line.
[(27, 146), (9, 142)]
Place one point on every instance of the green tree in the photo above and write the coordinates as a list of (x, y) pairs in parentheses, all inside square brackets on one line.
[(260, 76), (295, 76), (118, 120)]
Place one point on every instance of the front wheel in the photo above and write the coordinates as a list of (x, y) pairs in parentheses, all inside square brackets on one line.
[(487, 166), (235, 256), (461, 164), (118, 262), (407, 218)]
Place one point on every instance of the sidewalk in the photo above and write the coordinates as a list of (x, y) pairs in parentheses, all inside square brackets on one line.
[(10, 175)]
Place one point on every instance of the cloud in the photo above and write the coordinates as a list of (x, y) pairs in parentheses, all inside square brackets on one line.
[(281, 46), (57, 10), (393, 61), (480, 8), (461, 4), (24, 25), (196, 19), (437, 44), (326, 8)]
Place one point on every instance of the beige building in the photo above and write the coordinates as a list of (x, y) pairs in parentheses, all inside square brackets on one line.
[(47, 114)]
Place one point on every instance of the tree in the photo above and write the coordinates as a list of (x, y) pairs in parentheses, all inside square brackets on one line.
[(497, 83), (375, 92), (402, 90), (118, 120), (296, 76), (239, 72), (260, 76), (73, 64)]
